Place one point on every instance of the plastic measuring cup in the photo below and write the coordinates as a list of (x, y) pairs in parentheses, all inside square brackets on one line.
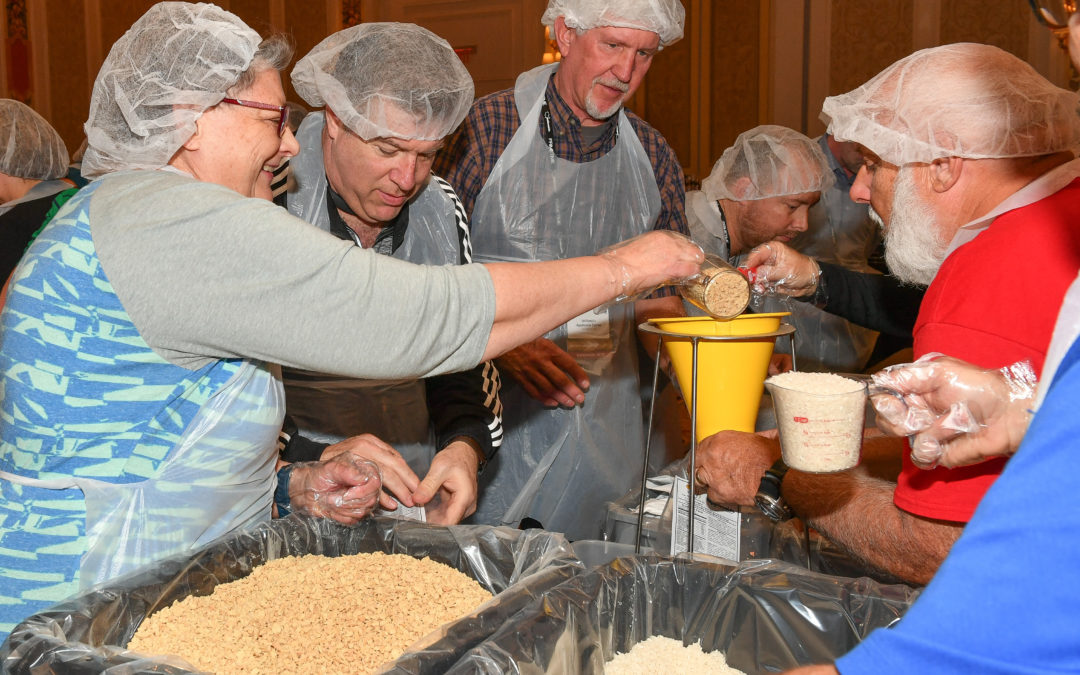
[(819, 432)]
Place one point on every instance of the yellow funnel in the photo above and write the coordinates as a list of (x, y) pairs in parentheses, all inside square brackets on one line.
[(731, 373)]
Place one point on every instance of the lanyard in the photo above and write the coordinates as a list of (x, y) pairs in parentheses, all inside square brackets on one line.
[(547, 131), (731, 258)]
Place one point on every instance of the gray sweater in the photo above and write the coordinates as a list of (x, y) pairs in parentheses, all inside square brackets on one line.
[(205, 274)]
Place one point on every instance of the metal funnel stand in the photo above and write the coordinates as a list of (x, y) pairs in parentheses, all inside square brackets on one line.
[(784, 330)]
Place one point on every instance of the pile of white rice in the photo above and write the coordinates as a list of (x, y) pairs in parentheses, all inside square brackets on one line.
[(661, 656), (815, 383)]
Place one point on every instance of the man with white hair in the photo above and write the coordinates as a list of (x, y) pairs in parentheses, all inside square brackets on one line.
[(550, 168), (391, 92), (969, 168)]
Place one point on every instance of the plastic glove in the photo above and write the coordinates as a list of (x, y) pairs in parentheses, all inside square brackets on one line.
[(955, 413), (398, 479), (648, 261), (345, 488), (779, 269)]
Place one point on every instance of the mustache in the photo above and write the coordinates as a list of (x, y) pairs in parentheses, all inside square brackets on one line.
[(876, 218), (613, 83)]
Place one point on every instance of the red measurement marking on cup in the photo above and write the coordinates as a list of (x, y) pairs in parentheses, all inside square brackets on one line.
[(801, 420)]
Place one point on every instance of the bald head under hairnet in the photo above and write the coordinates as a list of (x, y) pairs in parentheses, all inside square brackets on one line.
[(774, 160), (29, 146), (959, 100), (387, 80), (663, 17), (176, 61)]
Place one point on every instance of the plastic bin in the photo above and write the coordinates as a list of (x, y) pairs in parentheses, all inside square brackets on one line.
[(86, 634), (594, 553), (767, 616)]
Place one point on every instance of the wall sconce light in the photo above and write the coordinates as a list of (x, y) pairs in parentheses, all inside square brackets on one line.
[(551, 48), (1054, 14)]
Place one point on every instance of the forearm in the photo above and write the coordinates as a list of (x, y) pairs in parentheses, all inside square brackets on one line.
[(295, 296), (874, 301), (856, 512), (532, 299), (881, 457)]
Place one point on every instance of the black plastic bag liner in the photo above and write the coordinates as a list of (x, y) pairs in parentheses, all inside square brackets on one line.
[(767, 616), (86, 633)]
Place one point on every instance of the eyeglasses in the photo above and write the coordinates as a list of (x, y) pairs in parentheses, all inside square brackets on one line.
[(282, 110)]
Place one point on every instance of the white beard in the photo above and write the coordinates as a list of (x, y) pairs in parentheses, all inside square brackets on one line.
[(594, 110), (913, 249)]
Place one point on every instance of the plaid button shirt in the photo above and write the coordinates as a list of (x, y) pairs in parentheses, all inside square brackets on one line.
[(469, 157)]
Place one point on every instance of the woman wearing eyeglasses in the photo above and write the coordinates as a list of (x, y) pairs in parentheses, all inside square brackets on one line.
[(143, 332)]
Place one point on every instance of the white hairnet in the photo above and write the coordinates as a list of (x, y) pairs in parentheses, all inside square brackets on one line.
[(29, 146), (663, 17), (777, 161), (960, 100), (387, 80), (176, 61)]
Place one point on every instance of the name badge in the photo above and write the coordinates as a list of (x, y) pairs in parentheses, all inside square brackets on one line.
[(590, 341)]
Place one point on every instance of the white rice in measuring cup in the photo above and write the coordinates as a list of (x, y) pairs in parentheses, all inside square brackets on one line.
[(820, 417)]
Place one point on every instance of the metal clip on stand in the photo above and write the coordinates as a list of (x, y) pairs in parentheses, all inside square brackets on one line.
[(785, 329)]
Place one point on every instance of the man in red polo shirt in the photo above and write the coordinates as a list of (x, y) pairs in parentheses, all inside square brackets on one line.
[(969, 169)]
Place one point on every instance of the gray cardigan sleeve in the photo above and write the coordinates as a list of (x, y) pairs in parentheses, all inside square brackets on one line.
[(205, 274)]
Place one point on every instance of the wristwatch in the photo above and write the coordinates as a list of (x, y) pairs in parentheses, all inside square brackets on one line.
[(768, 498)]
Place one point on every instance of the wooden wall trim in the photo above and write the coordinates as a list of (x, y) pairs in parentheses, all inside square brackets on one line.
[(701, 88), (276, 10), (926, 29), (765, 61), (1048, 55), (334, 14), (786, 64), (3, 50), (94, 55), (820, 54), (38, 32)]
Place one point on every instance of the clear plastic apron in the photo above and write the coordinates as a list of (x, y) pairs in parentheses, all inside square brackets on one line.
[(329, 408), (561, 466), (218, 478)]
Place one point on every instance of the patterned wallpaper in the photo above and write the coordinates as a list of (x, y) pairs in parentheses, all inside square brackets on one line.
[(736, 75), (17, 52), (866, 37), (863, 37), (994, 23)]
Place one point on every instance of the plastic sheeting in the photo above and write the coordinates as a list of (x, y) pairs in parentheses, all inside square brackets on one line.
[(760, 538), (79, 635), (766, 616)]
